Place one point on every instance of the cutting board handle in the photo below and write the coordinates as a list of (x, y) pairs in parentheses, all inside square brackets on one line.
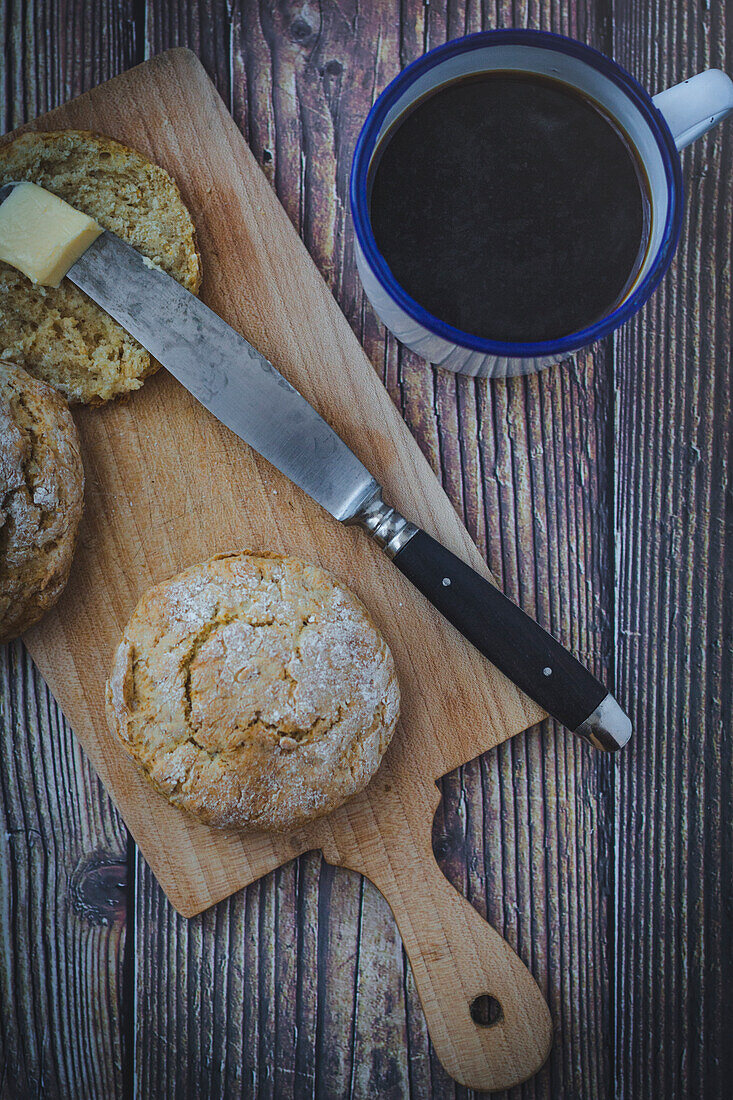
[(459, 962)]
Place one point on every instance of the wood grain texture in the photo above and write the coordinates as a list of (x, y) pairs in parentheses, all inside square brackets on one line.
[(674, 791), (63, 869), (613, 884)]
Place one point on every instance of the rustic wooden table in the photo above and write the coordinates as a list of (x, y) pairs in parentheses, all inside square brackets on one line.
[(596, 491)]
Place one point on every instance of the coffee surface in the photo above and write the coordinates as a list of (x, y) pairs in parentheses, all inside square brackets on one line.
[(510, 206)]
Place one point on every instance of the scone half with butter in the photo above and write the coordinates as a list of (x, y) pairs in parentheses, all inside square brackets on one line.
[(253, 690), (57, 333), (41, 498)]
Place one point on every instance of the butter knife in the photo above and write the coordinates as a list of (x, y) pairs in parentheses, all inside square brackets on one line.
[(247, 394)]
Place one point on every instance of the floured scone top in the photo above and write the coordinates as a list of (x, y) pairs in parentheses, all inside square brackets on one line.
[(254, 690), (41, 498), (57, 333)]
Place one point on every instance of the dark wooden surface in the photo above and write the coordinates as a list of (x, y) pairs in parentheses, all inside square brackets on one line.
[(597, 491)]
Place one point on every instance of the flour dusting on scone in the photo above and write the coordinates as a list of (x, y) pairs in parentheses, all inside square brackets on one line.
[(254, 690)]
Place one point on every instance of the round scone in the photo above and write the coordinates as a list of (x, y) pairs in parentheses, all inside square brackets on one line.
[(253, 690), (57, 333), (41, 498)]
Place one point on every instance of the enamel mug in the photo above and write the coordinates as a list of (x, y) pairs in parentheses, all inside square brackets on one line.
[(657, 126)]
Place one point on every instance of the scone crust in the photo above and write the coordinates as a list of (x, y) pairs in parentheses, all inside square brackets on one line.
[(41, 498), (57, 333), (253, 690)]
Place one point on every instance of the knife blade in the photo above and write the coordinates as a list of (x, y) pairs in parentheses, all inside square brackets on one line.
[(224, 372), (240, 387)]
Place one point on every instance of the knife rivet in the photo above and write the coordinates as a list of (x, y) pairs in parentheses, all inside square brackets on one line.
[(446, 581), (547, 671)]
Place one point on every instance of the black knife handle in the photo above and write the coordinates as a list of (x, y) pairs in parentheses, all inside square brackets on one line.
[(516, 644)]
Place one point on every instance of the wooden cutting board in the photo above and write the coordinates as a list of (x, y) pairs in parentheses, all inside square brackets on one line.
[(167, 485)]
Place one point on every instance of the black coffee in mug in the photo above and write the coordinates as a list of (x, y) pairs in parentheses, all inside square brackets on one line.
[(510, 206)]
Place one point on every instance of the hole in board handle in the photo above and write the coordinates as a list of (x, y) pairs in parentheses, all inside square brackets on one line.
[(486, 1010)]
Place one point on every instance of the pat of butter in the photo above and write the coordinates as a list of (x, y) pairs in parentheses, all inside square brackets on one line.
[(42, 235)]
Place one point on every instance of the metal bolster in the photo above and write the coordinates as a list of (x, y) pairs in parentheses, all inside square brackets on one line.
[(608, 728), (384, 524)]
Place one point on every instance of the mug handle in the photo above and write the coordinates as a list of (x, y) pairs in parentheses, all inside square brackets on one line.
[(696, 105)]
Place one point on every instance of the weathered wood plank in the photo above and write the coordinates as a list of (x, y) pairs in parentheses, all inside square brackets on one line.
[(63, 866), (674, 790), (63, 870), (518, 822), (513, 827)]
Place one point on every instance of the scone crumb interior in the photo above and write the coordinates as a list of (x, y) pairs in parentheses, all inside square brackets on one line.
[(57, 333)]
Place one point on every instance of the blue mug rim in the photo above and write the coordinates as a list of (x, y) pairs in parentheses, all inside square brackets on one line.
[(364, 150)]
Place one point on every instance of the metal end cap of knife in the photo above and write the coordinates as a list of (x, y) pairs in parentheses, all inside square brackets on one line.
[(8, 188), (608, 728)]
